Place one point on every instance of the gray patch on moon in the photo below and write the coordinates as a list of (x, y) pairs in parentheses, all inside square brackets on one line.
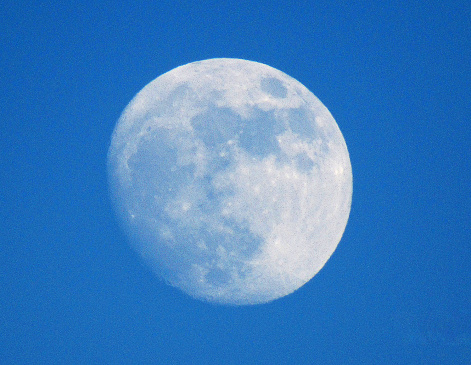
[(216, 126), (178, 95), (258, 135), (301, 122), (158, 159), (217, 277), (274, 87), (303, 162)]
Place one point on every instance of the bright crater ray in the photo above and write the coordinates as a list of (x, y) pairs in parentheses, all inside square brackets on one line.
[(232, 180)]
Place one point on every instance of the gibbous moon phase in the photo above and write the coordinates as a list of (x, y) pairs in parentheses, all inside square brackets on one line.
[(232, 180)]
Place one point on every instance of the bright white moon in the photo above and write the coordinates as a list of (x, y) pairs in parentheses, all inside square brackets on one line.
[(232, 180)]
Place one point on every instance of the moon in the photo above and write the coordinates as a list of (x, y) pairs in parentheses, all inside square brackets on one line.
[(231, 179)]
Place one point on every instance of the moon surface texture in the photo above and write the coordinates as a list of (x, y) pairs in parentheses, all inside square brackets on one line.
[(232, 180)]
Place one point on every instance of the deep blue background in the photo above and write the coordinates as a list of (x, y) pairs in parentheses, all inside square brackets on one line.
[(396, 77)]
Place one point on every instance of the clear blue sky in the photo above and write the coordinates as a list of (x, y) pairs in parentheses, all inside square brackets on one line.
[(396, 77)]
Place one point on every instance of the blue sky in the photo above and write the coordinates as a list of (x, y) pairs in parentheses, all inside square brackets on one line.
[(396, 78)]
